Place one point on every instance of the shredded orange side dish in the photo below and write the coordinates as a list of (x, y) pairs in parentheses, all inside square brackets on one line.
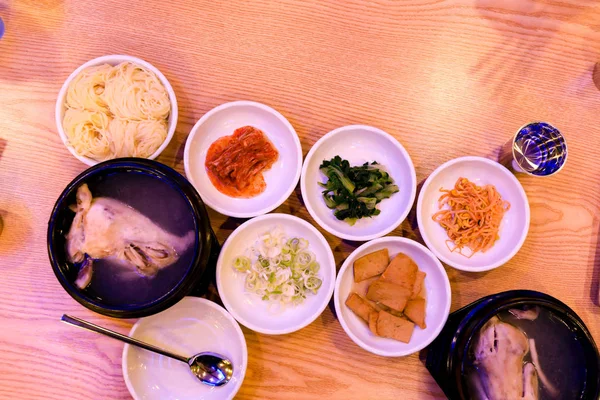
[(473, 216)]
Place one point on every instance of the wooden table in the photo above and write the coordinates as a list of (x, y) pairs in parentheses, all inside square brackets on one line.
[(446, 78)]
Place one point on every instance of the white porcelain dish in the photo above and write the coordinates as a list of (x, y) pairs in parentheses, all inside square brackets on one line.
[(223, 120), (191, 326), (248, 308), (481, 171), (359, 144), (437, 287), (114, 60)]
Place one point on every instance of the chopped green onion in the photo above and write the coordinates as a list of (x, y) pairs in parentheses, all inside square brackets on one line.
[(313, 283), (279, 269), (242, 264)]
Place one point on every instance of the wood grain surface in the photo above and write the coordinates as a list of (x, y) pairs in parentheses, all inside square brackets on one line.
[(446, 78)]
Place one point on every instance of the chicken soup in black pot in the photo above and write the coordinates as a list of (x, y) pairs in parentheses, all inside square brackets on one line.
[(131, 237), (521, 345)]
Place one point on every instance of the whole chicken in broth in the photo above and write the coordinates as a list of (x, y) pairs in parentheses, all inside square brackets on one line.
[(107, 228)]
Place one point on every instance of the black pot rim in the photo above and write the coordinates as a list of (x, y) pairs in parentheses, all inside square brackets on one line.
[(202, 226)]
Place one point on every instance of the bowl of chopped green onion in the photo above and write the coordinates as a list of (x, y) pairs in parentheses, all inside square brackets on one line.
[(275, 274), (358, 182)]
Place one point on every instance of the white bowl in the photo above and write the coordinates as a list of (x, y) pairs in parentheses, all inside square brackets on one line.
[(223, 120), (481, 171), (191, 326), (359, 144), (114, 60), (248, 308), (437, 287)]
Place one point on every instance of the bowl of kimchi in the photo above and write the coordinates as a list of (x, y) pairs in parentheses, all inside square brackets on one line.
[(244, 158)]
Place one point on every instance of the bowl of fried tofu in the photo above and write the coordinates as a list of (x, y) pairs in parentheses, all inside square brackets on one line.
[(392, 296)]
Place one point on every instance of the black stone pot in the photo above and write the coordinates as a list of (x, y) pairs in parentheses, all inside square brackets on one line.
[(447, 356), (206, 249)]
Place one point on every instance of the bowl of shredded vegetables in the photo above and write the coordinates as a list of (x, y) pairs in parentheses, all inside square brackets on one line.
[(473, 214), (275, 274)]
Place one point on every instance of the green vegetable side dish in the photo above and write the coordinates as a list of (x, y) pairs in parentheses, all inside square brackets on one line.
[(354, 192), (280, 270)]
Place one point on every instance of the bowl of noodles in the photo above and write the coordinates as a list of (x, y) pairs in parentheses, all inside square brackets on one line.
[(116, 106), (473, 214)]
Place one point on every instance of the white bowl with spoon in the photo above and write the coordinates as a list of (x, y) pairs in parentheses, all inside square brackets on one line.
[(193, 325)]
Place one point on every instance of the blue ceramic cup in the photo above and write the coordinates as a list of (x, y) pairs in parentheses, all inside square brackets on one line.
[(537, 149)]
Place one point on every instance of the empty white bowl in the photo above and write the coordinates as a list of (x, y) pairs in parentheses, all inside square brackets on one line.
[(248, 308), (481, 171), (437, 287), (191, 326), (60, 108), (359, 144), (223, 120)]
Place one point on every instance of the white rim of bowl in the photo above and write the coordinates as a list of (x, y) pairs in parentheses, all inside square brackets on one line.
[(207, 303), (310, 319), (428, 241), (338, 305), (111, 59), (280, 117), (333, 231)]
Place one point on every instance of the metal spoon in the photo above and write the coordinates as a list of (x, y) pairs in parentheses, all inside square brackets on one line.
[(211, 368)]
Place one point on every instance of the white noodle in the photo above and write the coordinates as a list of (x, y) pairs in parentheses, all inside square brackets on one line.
[(116, 111)]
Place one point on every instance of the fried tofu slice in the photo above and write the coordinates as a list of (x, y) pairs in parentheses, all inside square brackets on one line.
[(419, 284), (402, 271), (389, 294), (393, 327), (360, 306), (373, 321), (371, 265), (415, 311)]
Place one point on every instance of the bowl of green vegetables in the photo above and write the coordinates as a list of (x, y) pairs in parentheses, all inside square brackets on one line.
[(358, 182)]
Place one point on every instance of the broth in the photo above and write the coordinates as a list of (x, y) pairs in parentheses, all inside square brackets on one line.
[(115, 282)]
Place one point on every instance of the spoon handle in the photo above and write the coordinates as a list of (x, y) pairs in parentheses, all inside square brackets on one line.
[(123, 338)]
